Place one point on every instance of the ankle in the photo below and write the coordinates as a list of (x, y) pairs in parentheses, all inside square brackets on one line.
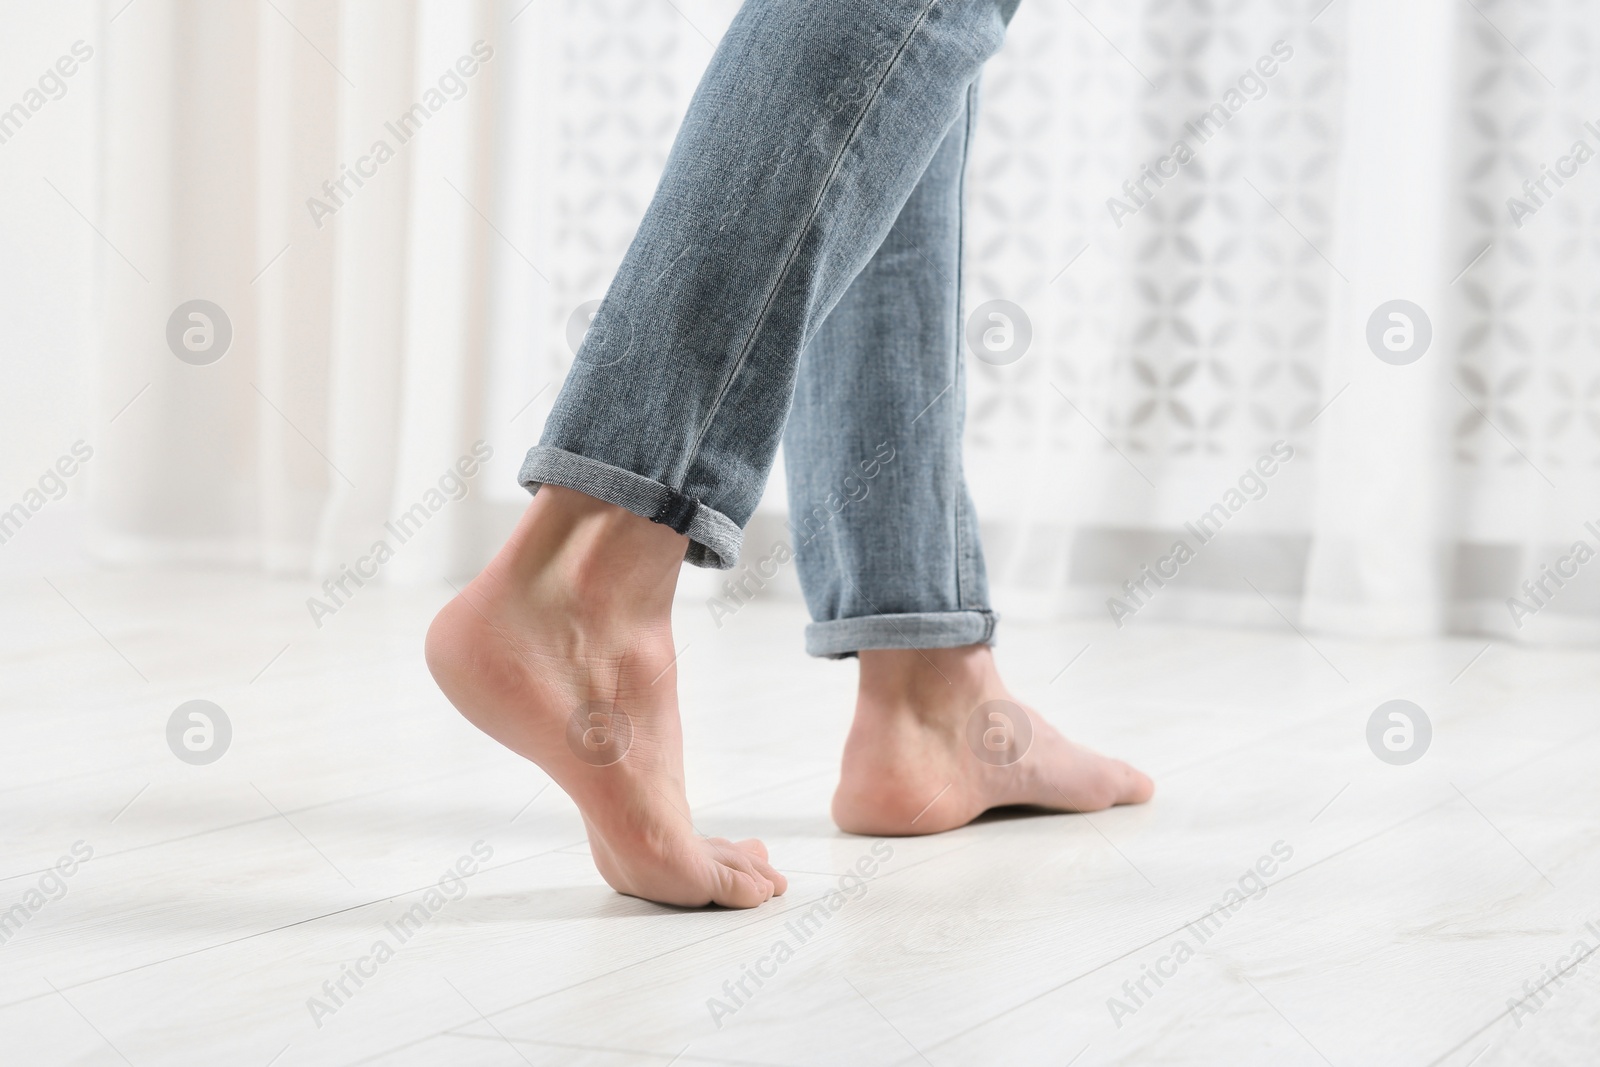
[(930, 683), (592, 559)]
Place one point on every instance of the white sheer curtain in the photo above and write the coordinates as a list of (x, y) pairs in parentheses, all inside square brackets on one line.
[(433, 309), (1231, 311), (359, 371)]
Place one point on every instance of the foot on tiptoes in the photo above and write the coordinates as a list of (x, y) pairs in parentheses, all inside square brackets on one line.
[(915, 763), (561, 650)]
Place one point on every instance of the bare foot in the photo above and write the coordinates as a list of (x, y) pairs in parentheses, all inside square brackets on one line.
[(561, 650), (915, 763)]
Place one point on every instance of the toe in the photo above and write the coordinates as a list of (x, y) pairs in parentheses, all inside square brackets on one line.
[(740, 889), (1136, 786), (774, 877), (740, 881), (757, 851)]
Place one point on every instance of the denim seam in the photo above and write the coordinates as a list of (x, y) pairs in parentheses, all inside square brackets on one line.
[(693, 452), (959, 405)]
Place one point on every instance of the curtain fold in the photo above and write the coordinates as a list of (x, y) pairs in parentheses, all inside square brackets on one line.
[(177, 201), (293, 279), (1379, 560)]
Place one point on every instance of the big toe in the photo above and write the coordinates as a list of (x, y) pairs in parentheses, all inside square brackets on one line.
[(758, 854), (1136, 787), (741, 877), (1099, 784)]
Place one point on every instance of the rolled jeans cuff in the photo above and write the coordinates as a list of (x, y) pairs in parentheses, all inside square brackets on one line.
[(714, 539), (919, 629)]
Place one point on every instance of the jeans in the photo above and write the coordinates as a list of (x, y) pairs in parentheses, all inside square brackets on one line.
[(802, 256)]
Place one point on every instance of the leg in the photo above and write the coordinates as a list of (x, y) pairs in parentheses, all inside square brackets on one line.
[(806, 136), (811, 128), (888, 552)]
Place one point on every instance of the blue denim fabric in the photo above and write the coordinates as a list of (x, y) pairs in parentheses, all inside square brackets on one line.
[(810, 207)]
